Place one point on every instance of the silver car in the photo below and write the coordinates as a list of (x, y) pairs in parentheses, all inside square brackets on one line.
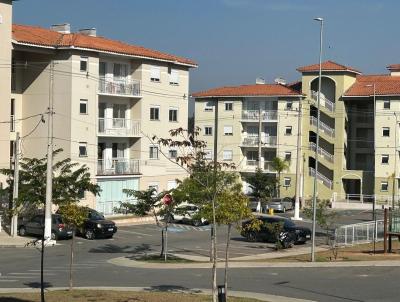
[(280, 204)]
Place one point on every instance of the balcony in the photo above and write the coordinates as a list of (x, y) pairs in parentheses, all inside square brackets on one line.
[(252, 165), (266, 115), (324, 101), (325, 180), (321, 152), (120, 88), (322, 126), (252, 141), (118, 166), (119, 127)]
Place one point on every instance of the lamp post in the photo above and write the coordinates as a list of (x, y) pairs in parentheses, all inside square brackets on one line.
[(321, 22)]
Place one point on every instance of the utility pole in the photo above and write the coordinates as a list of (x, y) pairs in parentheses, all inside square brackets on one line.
[(49, 176), (298, 164), (14, 220)]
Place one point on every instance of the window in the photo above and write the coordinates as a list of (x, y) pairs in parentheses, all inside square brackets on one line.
[(288, 156), (173, 115), (385, 159), (386, 131), (208, 130), (208, 106), (173, 153), (81, 194), (289, 105), (227, 154), (154, 113), (154, 186), (84, 63), (155, 74), (153, 154), (82, 149), (287, 181), (83, 106), (208, 154), (174, 77), (386, 104), (12, 116), (384, 186), (288, 130), (228, 130), (228, 106)]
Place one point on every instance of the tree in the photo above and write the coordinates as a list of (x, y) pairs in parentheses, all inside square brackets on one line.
[(262, 185), (73, 217), (280, 165)]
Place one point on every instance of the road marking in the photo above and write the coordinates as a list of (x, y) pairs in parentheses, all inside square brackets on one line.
[(132, 232), (7, 280)]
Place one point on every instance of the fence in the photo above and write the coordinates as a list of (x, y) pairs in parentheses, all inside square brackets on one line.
[(380, 200), (359, 233)]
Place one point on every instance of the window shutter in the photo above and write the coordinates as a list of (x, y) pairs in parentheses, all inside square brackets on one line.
[(155, 72)]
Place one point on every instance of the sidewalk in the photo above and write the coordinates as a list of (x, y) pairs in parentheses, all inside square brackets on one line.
[(8, 241)]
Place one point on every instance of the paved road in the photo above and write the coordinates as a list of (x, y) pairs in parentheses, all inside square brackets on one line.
[(19, 267)]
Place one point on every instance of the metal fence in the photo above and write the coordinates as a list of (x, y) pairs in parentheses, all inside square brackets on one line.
[(359, 233)]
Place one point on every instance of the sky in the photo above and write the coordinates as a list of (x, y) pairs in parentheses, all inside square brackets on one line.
[(236, 41)]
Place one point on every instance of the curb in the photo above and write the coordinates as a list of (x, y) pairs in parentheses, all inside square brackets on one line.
[(133, 220), (199, 291)]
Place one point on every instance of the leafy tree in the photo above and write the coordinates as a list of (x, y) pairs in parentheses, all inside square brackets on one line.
[(73, 217), (276, 228), (280, 165), (262, 185)]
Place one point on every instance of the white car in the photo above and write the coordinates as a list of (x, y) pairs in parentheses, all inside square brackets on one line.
[(188, 213)]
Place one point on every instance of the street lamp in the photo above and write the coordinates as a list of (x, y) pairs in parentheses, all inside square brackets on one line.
[(321, 22), (374, 201)]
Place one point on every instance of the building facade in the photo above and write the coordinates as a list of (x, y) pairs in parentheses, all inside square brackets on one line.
[(358, 157), (109, 100)]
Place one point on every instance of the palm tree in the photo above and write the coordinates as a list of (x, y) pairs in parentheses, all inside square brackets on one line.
[(280, 165)]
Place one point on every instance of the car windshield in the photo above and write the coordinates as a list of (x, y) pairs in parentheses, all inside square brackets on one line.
[(96, 216)]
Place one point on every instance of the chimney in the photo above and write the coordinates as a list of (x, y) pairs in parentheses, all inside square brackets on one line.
[(64, 28), (260, 81), (88, 31)]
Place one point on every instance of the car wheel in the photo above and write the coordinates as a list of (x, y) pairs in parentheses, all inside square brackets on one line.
[(54, 236), (110, 236), (251, 236), (89, 234), (22, 231)]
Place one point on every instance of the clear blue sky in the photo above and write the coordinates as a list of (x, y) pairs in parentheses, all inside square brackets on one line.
[(235, 41)]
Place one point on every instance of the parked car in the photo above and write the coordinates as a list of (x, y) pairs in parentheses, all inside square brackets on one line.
[(35, 227), (188, 213), (96, 226), (291, 233), (254, 206), (279, 204)]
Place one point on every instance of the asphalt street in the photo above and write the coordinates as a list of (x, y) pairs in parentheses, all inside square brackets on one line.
[(20, 267)]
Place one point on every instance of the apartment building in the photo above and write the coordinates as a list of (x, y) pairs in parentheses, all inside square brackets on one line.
[(109, 98), (358, 141)]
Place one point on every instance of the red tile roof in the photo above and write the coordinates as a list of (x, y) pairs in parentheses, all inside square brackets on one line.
[(248, 90), (393, 67), (328, 66), (384, 85), (45, 37)]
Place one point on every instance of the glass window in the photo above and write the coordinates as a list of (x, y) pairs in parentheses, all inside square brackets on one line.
[(228, 130), (153, 152), (208, 153), (384, 186), (174, 77), (385, 131), (82, 149), (207, 130), (227, 155), (288, 130), (287, 181), (154, 113), (155, 73), (228, 106), (173, 115), (173, 153), (288, 156), (84, 63), (83, 106), (289, 105), (385, 159), (208, 106), (386, 104)]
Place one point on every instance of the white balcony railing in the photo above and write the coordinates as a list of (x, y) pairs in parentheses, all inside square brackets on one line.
[(119, 87), (252, 141), (119, 127), (268, 166), (324, 101), (252, 164), (321, 152), (118, 166), (325, 180), (322, 126), (266, 115)]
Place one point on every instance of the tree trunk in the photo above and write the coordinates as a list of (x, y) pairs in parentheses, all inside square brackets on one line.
[(166, 244), (279, 185), (228, 240), (162, 243), (71, 259), (212, 244)]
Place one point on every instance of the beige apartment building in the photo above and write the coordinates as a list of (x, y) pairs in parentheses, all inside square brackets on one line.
[(109, 99), (358, 157)]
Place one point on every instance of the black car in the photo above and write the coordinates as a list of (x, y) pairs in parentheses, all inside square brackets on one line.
[(291, 233), (96, 226), (35, 226)]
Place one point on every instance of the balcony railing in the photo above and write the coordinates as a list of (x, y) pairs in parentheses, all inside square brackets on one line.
[(118, 166), (321, 152), (119, 127), (252, 164), (324, 101), (266, 115), (322, 126), (119, 87), (325, 180), (252, 141)]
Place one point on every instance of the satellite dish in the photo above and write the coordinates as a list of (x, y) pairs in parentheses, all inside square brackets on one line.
[(260, 80), (280, 81)]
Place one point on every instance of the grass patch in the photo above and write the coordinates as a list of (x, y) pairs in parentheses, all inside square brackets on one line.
[(155, 258), (111, 296)]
